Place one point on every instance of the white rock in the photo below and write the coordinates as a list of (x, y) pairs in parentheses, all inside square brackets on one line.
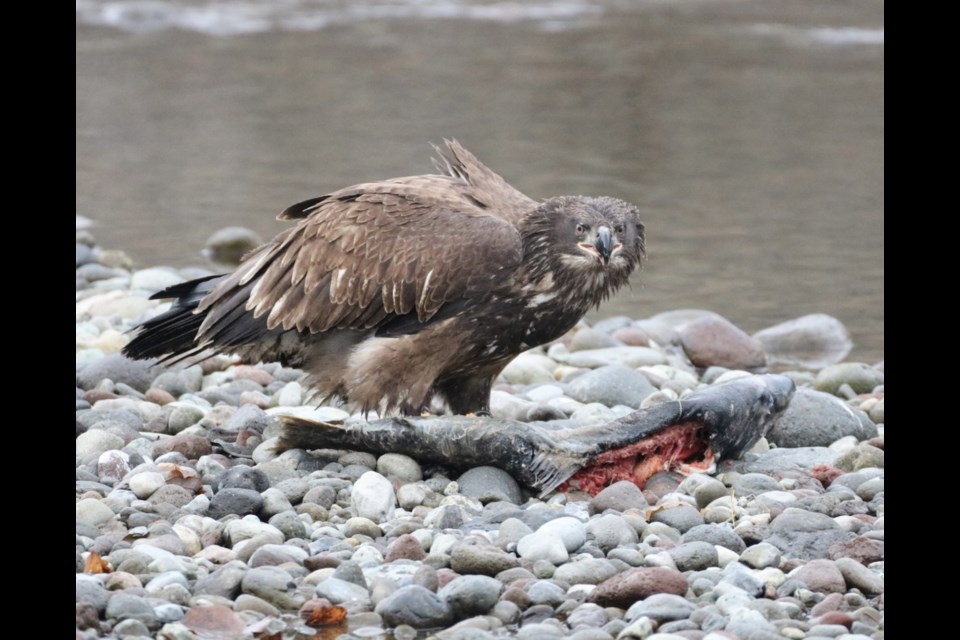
[(291, 395), (540, 546), (733, 374), (191, 541), (373, 497), (411, 495), (265, 451), (443, 543), (642, 627), (144, 484), (246, 527), (725, 556), (154, 279), (367, 555), (733, 601), (93, 512), (96, 441), (526, 371), (544, 392), (661, 559), (571, 531), (844, 444)]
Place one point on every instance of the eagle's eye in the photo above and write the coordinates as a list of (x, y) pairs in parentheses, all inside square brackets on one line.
[(581, 229)]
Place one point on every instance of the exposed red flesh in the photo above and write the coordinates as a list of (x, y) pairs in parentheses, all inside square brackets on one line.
[(677, 446)]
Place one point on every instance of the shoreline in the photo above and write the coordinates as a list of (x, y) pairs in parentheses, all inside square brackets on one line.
[(206, 530)]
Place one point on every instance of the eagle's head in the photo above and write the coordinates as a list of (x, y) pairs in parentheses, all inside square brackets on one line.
[(587, 245)]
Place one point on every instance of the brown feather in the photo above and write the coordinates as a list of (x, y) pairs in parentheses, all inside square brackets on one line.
[(393, 291)]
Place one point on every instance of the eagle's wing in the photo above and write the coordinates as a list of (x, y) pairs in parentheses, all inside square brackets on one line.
[(364, 256), (488, 188)]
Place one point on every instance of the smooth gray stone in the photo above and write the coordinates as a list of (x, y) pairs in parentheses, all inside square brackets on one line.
[(817, 419), (718, 534), (489, 484), (471, 595), (804, 534), (415, 606), (92, 592)]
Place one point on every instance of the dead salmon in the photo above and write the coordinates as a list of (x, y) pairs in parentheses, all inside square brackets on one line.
[(715, 423)]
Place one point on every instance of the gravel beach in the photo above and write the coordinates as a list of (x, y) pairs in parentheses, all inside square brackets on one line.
[(190, 525)]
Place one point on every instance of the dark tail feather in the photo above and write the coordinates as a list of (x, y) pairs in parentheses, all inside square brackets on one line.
[(172, 333)]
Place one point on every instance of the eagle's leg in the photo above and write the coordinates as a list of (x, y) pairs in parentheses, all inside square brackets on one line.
[(467, 393)]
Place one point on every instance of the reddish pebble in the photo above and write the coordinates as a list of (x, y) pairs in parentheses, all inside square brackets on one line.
[(255, 398), (826, 474), (93, 396), (192, 447), (715, 341), (214, 622), (862, 549), (836, 617), (159, 396), (832, 602), (246, 372), (321, 562), (821, 576), (632, 336), (624, 589), (405, 547), (444, 576)]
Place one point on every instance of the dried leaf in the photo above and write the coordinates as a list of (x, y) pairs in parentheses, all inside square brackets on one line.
[(325, 616), (96, 564)]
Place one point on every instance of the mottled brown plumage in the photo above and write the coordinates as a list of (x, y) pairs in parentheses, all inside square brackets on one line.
[(390, 293)]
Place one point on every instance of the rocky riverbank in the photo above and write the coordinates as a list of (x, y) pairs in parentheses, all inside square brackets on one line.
[(191, 525)]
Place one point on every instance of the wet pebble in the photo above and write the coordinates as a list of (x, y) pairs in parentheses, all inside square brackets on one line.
[(760, 556), (716, 534), (619, 496), (399, 467), (478, 558), (136, 373), (415, 606), (858, 576), (489, 484), (373, 497), (822, 576), (681, 518), (715, 341), (235, 501), (611, 385), (817, 419), (585, 571), (812, 341), (611, 531), (860, 377), (206, 529), (635, 584)]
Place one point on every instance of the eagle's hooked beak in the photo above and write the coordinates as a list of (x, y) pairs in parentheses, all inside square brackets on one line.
[(604, 244)]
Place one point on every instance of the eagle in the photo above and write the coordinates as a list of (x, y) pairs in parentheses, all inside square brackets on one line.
[(393, 294)]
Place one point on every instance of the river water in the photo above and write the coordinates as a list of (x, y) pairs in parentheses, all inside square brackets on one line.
[(750, 132)]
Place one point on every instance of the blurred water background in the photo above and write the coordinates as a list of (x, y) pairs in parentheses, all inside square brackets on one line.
[(750, 132)]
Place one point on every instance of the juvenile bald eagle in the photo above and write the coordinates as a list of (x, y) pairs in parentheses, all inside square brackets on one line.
[(390, 293)]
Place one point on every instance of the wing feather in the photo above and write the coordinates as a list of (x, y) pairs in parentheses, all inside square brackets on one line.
[(487, 188), (362, 256)]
